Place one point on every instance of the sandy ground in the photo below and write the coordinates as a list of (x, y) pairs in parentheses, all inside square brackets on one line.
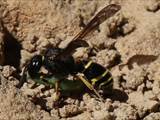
[(128, 44)]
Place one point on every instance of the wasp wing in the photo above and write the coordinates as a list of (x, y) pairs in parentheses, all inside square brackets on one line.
[(100, 17), (77, 41)]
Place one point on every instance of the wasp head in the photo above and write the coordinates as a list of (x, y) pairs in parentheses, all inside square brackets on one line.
[(34, 66)]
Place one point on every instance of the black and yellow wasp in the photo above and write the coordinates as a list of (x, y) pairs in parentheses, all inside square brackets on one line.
[(60, 62)]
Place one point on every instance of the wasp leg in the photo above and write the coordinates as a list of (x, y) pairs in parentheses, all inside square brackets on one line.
[(89, 85), (57, 95), (57, 91)]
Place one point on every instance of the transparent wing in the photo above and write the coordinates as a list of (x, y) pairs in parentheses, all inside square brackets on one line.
[(99, 18)]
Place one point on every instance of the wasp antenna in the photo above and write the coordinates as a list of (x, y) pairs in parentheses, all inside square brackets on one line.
[(23, 78)]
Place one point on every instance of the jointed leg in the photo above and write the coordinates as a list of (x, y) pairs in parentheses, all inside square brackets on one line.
[(57, 91), (89, 85)]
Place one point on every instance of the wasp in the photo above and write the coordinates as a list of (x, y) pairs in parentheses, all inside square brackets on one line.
[(60, 62)]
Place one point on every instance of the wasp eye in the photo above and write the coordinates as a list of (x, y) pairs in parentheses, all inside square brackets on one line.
[(35, 65)]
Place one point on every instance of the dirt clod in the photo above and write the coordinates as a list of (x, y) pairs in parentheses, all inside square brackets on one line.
[(127, 44)]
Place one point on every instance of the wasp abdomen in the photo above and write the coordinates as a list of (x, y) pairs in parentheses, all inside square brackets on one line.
[(97, 75)]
